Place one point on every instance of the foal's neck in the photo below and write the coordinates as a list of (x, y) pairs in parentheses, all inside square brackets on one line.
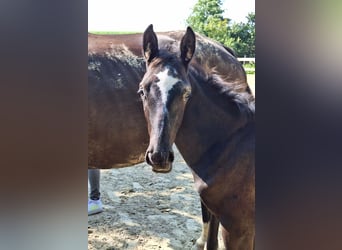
[(206, 124)]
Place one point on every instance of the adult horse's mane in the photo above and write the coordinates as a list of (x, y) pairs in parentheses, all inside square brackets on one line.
[(226, 95)]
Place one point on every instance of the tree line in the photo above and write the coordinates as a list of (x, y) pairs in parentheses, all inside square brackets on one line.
[(207, 18)]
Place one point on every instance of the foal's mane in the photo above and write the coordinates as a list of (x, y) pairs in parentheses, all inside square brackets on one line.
[(224, 94), (165, 57)]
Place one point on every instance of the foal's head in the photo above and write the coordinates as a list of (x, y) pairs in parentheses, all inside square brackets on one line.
[(164, 91)]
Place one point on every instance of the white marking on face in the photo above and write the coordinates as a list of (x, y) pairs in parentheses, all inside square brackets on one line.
[(165, 84)]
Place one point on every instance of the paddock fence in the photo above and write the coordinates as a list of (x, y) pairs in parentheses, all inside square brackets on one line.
[(250, 60)]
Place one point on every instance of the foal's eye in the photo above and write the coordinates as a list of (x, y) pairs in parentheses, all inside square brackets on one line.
[(187, 95)]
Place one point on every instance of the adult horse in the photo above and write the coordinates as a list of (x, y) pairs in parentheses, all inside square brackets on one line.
[(213, 127), (117, 131)]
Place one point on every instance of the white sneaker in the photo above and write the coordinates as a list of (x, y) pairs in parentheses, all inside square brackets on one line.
[(94, 207)]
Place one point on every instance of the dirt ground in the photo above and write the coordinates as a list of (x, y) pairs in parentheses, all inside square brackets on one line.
[(145, 210)]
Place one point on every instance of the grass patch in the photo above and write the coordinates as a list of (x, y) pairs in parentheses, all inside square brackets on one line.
[(249, 65), (113, 32), (249, 68)]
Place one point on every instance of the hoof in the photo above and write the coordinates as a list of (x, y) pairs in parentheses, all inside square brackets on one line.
[(199, 244)]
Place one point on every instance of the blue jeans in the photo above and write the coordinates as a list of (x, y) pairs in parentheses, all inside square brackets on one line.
[(94, 181)]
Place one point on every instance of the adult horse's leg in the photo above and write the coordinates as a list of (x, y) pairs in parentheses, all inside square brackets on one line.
[(210, 226)]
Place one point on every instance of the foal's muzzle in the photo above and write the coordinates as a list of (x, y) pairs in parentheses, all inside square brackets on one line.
[(161, 161)]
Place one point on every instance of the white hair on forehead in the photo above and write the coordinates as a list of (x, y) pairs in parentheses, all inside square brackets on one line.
[(166, 83)]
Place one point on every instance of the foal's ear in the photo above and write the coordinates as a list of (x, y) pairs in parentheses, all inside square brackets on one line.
[(187, 46), (150, 44)]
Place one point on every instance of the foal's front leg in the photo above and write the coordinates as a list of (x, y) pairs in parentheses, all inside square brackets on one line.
[(212, 242), (209, 233), (200, 243)]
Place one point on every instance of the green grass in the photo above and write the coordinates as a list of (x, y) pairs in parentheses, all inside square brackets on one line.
[(113, 32), (249, 65), (249, 68)]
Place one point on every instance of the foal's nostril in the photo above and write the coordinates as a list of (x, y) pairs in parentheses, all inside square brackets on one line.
[(159, 158), (148, 158), (171, 156)]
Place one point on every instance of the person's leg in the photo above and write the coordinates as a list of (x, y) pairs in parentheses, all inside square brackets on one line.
[(94, 181), (94, 202)]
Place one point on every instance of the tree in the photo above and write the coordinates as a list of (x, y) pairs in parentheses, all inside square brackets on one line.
[(207, 19), (243, 37)]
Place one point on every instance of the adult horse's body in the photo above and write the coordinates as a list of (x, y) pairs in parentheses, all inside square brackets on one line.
[(117, 131), (213, 126)]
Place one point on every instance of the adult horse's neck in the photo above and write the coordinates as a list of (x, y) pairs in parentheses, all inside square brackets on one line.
[(215, 118)]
